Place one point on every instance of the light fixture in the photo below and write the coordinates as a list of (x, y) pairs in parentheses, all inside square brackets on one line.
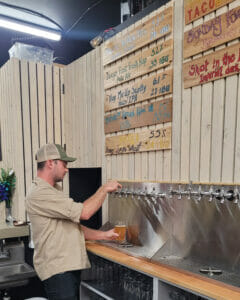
[(30, 29), (96, 41)]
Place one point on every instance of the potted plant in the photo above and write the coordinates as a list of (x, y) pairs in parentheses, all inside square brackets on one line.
[(7, 188)]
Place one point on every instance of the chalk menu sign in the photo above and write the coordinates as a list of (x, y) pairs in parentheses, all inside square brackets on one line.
[(214, 66), (153, 86), (133, 117), (156, 57), (148, 140), (195, 9), (151, 30), (125, 62), (223, 28)]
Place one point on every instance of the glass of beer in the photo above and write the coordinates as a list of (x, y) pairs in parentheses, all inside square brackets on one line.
[(121, 229)]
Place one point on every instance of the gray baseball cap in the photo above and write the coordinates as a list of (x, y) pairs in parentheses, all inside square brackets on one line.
[(53, 151)]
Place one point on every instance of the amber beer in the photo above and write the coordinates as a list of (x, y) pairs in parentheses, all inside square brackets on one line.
[(121, 230)]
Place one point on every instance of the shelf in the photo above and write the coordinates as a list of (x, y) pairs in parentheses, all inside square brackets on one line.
[(10, 231), (109, 292), (95, 288)]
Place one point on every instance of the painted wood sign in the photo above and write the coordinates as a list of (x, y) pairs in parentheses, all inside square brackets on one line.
[(219, 30), (0, 146), (148, 140), (146, 88), (132, 117), (156, 57), (154, 28), (216, 65), (195, 9)]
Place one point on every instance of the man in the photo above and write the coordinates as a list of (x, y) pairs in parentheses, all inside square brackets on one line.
[(58, 237)]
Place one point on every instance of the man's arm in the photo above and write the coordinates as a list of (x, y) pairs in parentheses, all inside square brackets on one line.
[(92, 234), (92, 204)]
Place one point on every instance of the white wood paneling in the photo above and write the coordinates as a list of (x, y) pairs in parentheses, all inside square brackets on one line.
[(26, 118)]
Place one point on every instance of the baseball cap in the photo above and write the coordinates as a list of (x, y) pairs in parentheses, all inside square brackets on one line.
[(53, 151)]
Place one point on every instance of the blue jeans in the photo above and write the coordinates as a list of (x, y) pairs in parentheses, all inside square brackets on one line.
[(63, 286)]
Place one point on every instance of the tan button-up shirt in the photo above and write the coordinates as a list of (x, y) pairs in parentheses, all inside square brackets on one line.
[(58, 239)]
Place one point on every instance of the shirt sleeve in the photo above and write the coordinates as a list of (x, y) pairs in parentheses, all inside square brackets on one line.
[(54, 204)]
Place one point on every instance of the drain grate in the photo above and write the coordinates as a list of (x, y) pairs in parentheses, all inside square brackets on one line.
[(211, 271), (125, 245)]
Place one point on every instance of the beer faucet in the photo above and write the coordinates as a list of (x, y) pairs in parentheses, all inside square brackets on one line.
[(133, 193), (179, 192), (189, 190), (219, 194), (194, 193), (170, 191), (126, 192), (161, 195), (140, 194), (210, 194), (235, 195), (229, 195)]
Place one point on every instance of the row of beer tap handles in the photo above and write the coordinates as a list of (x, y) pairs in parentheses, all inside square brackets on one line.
[(220, 193)]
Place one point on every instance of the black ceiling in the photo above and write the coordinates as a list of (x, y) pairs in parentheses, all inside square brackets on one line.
[(91, 17)]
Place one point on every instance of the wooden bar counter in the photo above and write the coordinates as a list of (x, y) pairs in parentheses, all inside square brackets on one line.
[(183, 279)]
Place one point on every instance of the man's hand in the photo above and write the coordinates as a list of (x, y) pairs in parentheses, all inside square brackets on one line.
[(110, 235), (112, 186), (93, 234)]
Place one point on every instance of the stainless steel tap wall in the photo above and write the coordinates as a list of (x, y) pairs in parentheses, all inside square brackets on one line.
[(187, 225)]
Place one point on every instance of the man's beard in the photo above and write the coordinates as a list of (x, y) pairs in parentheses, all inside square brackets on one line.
[(58, 179)]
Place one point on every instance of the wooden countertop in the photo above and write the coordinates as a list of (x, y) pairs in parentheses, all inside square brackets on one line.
[(190, 281)]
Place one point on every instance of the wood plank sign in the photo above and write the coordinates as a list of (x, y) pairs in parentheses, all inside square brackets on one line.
[(195, 9), (216, 65), (148, 140), (156, 57), (149, 114), (154, 28), (146, 88), (0, 146), (219, 30)]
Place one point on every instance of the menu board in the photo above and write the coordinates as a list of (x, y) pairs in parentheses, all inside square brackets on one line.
[(212, 33), (153, 86), (195, 9), (133, 117), (134, 73), (210, 67), (148, 140), (155, 57), (145, 33)]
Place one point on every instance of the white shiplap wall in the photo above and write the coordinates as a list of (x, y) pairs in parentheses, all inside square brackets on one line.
[(31, 115)]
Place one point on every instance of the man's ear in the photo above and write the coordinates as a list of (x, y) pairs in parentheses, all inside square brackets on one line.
[(50, 163)]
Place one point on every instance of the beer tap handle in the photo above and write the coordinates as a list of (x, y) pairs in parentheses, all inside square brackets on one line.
[(235, 195), (199, 193), (210, 194), (189, 190), (179, 192), (222, 195), (170, 192)]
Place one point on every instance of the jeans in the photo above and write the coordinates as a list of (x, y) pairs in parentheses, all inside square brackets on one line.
[(63, 286)]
